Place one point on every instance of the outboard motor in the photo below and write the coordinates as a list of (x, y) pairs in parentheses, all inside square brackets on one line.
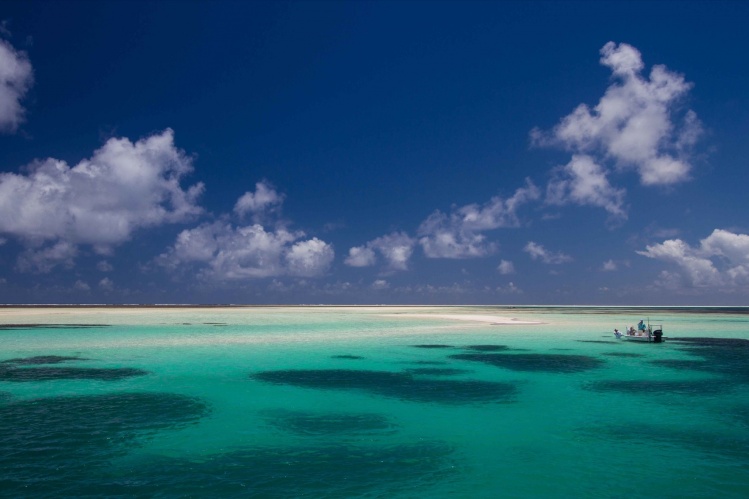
[(658, 336)]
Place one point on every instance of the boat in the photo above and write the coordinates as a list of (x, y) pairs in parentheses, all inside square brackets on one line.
[(652, 333)]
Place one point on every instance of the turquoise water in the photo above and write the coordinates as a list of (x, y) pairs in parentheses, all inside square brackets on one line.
[(372, 402)]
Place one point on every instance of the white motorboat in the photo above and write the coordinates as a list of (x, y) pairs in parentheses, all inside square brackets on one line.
[(652, 333)]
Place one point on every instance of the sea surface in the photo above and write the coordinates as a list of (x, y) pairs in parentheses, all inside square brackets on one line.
[(372, 402)]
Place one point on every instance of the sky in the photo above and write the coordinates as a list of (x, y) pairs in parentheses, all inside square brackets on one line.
[(570, 153)]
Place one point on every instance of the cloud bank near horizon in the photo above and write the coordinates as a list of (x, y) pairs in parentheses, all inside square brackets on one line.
[(719, 262), (223, 251)]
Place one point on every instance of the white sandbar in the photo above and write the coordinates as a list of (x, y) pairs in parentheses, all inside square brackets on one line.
[(491, 319)]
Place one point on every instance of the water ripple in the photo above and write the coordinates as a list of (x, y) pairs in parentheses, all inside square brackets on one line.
[(325, 424), (555, 363)]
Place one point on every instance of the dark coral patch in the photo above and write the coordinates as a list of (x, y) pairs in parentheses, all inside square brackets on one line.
[(623, 354), (725, 356), (713, 342), (432, 346), (315, 424), (697, 387), (398, 385), (605, 342), (52, 444), (347, 357), (728, 445), (53, 373), (38, 419), (556, 363), (487, 348), (42, 359), (62, 446), (50, 326), (692, 365)]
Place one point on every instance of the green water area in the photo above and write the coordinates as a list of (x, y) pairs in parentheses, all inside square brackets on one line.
[(372, 402)]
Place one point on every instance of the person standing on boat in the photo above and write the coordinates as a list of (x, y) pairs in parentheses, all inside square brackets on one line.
[(641, 325), (617, 333)]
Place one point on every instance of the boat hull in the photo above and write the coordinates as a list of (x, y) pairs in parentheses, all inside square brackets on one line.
[(639, 339)]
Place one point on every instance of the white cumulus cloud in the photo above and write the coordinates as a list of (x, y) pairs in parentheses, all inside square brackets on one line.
[(460, 234), (720, 261), (396, 249), (45, 259), (380, 284), (260, 203), (225, 252), (106, 284), (583, 182), (538, 252), (609, 266), (506, 267), (638, 124), (309, 258), (81, 286), (101, 201), (361, 256), (16, 77), (105, 266), (510, 289)]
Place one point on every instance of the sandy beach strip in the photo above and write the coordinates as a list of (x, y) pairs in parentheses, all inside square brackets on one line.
[(123, 315)]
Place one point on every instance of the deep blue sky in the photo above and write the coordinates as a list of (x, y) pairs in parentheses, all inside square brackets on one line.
[(359, 121)]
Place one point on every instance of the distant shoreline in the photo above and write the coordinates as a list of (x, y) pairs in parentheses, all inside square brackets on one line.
[(591, 309)]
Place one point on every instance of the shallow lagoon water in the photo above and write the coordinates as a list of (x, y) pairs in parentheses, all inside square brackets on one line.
[(374, 402)]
